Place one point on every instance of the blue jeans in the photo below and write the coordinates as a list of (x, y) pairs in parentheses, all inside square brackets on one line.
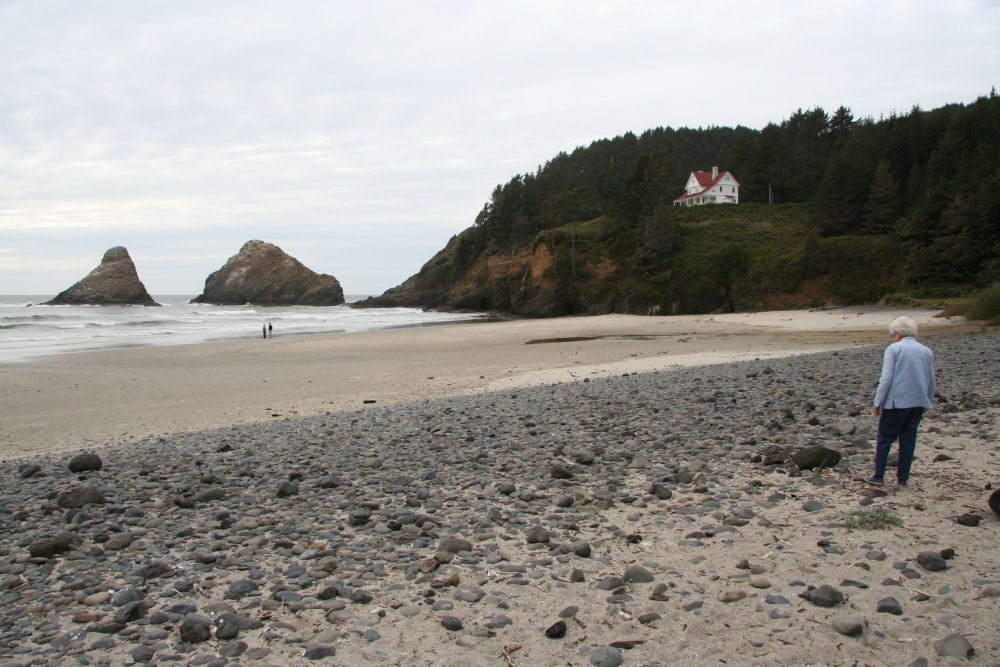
[(893, 424)]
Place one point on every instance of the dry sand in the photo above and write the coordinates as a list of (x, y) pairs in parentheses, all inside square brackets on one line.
[(89, 399)]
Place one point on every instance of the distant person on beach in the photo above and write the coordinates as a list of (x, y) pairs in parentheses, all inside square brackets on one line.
[(905, 390), (270, 330), (264, 327)]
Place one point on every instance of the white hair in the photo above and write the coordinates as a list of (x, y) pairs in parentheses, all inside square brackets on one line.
[(904, 326)]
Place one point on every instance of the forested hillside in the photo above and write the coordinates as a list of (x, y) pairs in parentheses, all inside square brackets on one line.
[(833, 209)]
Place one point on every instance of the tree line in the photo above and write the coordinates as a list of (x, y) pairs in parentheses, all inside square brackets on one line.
[(924, 183)]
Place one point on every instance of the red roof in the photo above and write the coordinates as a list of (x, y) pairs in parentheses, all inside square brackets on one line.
[(705, 179)]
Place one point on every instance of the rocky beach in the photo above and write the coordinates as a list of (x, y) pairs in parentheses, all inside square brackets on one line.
[(655, 512)]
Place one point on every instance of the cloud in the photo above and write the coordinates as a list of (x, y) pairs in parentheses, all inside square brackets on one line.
[(364, 135)]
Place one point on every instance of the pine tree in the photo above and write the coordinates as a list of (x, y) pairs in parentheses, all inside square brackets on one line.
[(881, 207)]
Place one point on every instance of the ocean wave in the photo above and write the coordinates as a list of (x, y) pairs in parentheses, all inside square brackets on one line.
[(27, 317), (227, 313), (70, 328), (146, 323)]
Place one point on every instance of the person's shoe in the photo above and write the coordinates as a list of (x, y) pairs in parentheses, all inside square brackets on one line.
[(901, 483), (874, 480)]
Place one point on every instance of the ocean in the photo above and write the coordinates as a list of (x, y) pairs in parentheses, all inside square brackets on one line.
[(28, 330)]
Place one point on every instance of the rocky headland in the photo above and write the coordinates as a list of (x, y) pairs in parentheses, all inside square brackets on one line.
[(693, 516), (517, 284), (263, 274), (114, 282)]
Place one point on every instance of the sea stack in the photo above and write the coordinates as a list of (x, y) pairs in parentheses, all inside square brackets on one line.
[(113, 283), (262, 274)]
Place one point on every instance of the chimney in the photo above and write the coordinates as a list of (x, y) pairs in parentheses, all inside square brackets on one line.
[(715, 172)]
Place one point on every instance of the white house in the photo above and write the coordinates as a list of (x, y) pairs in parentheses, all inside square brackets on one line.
[(709, 188)]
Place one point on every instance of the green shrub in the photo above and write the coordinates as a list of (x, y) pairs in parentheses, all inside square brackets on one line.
[(897, 300), (987, 304), (875, 519)]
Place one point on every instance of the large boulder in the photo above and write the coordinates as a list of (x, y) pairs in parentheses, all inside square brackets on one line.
[(262, 274), (113, 283)]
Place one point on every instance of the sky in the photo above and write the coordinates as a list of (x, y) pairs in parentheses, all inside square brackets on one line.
[(360, 136)]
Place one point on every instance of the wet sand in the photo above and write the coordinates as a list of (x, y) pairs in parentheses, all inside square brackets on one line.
[(90, 399)]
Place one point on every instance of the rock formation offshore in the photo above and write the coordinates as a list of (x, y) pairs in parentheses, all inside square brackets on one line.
[(113, 283), (263, 274)]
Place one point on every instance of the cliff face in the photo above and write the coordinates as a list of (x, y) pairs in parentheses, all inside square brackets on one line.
[(524, 283), (113, 283), (262, 274)]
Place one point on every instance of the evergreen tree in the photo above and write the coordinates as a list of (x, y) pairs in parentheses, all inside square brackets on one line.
[(647, 186), (729, 267), (838, 204), (840, 125), (880, 208)]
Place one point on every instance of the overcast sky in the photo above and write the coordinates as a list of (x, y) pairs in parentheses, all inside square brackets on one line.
[(360, 136)]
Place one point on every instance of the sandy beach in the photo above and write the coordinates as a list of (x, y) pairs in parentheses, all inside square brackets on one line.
[(89, 399), (520, 493)]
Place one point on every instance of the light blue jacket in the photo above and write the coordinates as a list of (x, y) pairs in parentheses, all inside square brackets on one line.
[(907, 376)]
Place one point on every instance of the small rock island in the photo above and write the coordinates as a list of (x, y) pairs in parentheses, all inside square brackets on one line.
[(114, 283), (263, 274)]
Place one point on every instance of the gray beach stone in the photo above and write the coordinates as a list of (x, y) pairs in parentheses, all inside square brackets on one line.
[(556, 631), (932, 561), (824, 596), (48, 547), (142, 654), (969, 519), (610, 582), (850, 627), (454, 545), (234, 649), (155, 569), (319, 652), (451, 623), (289, 488), (537, 535), (129, 612), (889, 605), (125, 595), (358, 517), (606, 656), (85, 462), (994, 502), (210, 494), (82, 495), (195, 629), (29, 470), (954, 645), (637, 574), (816, 457)]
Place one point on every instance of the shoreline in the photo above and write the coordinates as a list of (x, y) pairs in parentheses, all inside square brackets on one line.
[(90, 399)]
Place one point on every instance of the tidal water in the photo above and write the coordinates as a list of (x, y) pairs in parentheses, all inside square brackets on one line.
[(30, 330)]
